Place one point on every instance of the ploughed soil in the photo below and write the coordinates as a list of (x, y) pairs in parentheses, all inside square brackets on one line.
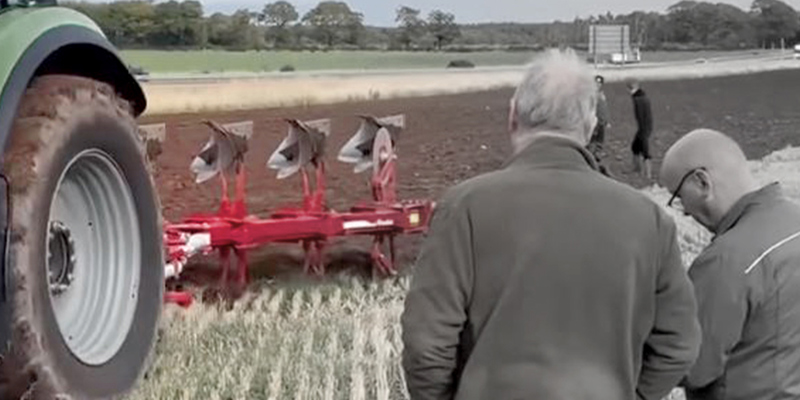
[(451, 138)]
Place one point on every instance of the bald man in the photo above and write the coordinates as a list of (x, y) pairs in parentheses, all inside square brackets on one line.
[(747, 281), (545, 279)]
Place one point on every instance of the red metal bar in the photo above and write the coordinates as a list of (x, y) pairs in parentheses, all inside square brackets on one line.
[(182, 299), (383, 183), (232, 231), (296, 225)]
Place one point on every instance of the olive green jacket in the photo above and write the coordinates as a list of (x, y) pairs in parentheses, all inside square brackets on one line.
[(546, 280)]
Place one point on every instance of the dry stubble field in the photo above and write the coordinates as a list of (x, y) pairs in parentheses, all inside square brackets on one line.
[(339, 339), (234, 91)]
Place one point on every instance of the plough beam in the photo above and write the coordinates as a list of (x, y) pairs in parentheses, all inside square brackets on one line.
[(232, 232)]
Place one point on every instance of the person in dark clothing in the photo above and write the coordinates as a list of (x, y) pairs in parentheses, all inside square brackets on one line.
[(747, 281), (644, 128), (545, 279)]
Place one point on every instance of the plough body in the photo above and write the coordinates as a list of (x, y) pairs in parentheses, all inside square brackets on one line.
[(233, 231)]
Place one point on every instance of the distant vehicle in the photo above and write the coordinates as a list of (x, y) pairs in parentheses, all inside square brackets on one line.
[(620, 58), (797, 51), (138, 72), (626, 58)]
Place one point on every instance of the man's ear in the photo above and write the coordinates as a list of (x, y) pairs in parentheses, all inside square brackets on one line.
[(512, 116), (704, 182)]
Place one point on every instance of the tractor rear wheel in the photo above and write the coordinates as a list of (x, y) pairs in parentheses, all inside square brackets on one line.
[(85, 245)]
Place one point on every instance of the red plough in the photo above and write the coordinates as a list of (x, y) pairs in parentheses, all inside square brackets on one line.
[(231, 231)]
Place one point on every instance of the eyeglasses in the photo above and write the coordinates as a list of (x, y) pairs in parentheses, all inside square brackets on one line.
[(680, 184)]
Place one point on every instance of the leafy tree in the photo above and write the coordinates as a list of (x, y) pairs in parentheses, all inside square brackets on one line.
[(718, 24), (443, 27), (411, 26), (687, 24), (177, 24), (131, 22), (682, 18), (277, 16), (334, 21), (732, 28), (233, 32), (774, 20)]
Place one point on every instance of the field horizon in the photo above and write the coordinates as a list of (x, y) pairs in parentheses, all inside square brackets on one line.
[(203, 62), (194, 94)]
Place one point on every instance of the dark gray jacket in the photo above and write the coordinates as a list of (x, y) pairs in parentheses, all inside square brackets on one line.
[(747, 284), (547, 280), (643, 113)]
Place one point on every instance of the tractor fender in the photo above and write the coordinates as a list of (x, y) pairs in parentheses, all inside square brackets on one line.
[(43, 40), (65, 42)]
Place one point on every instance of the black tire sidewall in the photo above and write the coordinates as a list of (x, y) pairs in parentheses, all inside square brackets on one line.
[(104, 131)]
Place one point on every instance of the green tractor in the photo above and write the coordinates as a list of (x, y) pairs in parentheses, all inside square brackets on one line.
[(81, 274)]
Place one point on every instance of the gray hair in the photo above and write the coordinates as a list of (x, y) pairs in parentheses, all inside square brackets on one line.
[(558, 95)]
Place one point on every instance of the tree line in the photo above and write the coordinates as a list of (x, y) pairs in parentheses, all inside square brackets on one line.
[(685, 25)]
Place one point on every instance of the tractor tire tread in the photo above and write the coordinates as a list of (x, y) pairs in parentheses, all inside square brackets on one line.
[(26, 371)]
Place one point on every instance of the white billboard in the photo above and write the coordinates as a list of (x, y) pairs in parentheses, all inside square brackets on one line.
[(608, 40)]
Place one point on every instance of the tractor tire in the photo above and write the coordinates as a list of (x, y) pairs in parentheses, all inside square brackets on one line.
[(85, 245)]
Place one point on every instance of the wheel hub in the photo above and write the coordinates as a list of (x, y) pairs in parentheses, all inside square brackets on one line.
[(61, 258), (93, 232)]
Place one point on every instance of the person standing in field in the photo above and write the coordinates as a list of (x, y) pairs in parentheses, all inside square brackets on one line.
[(747, 281), (545, 279), (644, 128), (598, 137)]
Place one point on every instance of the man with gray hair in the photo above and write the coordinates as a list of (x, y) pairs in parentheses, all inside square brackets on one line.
[(545, 279)]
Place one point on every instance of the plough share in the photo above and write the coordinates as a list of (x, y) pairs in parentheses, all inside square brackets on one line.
[(231, 231)]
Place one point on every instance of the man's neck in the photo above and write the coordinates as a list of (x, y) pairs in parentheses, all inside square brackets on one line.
[(522, 140), (744, 189)]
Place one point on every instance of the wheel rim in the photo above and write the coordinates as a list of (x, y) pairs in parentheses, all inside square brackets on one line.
[(94, 257)]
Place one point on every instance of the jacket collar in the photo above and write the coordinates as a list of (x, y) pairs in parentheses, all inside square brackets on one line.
[(747, 203), (547, 150)]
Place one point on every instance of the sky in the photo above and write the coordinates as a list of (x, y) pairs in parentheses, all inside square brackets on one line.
[(382, 12)]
